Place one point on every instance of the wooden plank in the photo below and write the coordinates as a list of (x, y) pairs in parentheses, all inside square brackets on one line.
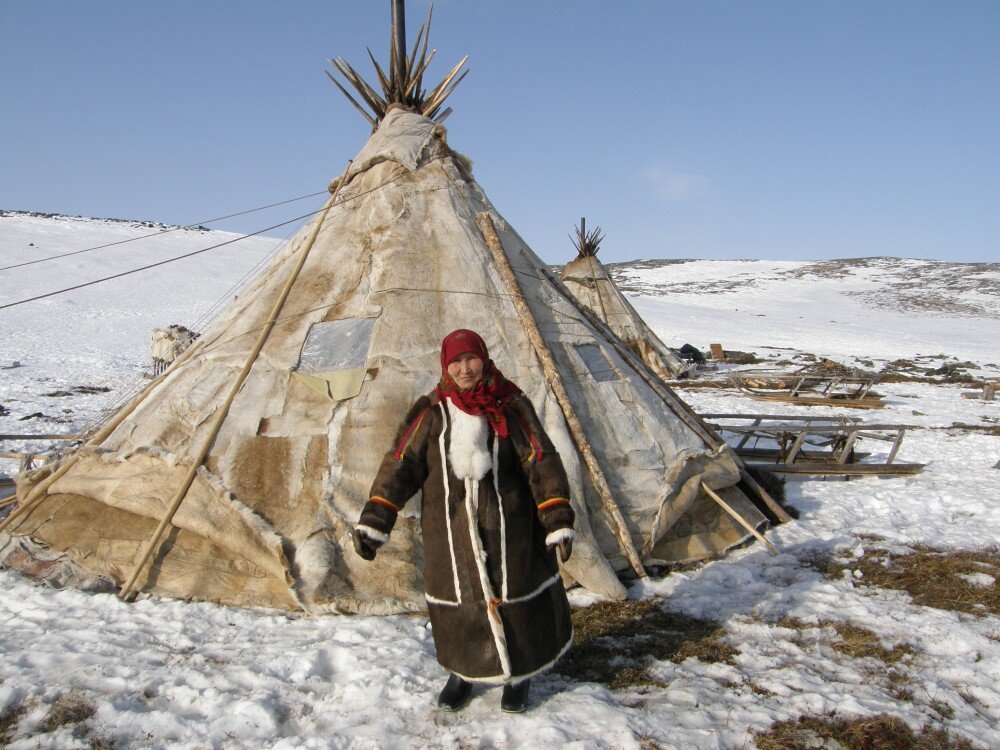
[(153, 544), (749, 434), (679, 408), (848, 403), (58, 436), (739, 519), (789, 417), (895, 445), (819, 429), (796, 447), (757, 455), (829, 469), (717, 351), (845, 450), (550, 369)]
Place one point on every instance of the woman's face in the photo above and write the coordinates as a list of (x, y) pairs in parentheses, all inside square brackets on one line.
[(466, 370)]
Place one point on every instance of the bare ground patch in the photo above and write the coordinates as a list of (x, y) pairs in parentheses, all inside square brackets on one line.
[(938, 368), (615, 642)]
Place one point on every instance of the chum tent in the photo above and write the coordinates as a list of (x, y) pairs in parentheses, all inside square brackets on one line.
[(589, 281), (253, 453)]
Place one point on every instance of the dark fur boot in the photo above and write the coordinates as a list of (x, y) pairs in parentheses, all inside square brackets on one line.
[(456, 694), (515, 698)]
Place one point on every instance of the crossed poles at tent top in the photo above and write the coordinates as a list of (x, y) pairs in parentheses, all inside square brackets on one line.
[(403, 85)]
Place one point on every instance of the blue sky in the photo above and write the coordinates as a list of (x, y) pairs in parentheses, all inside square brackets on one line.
[(781, 130)]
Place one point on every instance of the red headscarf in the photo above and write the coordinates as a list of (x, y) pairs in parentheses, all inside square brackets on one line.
[(493, 391)]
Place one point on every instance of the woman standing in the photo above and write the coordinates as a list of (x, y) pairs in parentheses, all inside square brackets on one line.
[(494, 508)]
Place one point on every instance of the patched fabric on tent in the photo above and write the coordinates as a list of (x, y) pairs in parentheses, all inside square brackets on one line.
[(398, 261), (589, 281)]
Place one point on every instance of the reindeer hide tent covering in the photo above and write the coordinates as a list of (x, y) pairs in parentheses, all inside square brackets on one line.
[(592, 285), (398, 262)]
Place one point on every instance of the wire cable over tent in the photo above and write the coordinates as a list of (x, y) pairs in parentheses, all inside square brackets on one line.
[(154, 265), (193, 225), (195, 252)]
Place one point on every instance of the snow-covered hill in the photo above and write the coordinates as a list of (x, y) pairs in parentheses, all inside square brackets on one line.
[(98, 337), (85, 670), (870, 308)]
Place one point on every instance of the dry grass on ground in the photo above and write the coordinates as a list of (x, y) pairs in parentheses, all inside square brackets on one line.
[(934, 578), (855, 641), (9, 720), (986, 429), (858, 642), (614, 642), (879, 732), (67, 710)]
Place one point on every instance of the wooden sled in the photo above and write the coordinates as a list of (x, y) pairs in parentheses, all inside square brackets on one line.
[(811, 390), (28, 461), (820, 446)]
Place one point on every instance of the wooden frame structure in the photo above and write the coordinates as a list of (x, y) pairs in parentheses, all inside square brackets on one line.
[(810, 390), (27, 462), (821, 446)]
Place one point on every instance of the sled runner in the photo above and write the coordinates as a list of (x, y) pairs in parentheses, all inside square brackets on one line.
[(811, 390), (813, 445)]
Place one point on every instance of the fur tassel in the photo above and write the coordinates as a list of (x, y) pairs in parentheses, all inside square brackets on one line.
[(560, 535), (374, 534)]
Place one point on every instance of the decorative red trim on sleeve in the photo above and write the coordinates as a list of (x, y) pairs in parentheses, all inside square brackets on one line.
[(553, 501), (408, 436), (383, 501), (536, 448)]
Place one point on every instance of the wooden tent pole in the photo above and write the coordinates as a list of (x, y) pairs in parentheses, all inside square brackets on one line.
[(154, 542), (742, 521), (680, 409), (37, 493), (562, 397), (597, 289)]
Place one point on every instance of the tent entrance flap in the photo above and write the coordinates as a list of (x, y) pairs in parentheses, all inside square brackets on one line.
[(334, 356)]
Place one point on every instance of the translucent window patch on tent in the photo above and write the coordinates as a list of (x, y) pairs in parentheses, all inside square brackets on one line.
[(597, 363), (334, 357)]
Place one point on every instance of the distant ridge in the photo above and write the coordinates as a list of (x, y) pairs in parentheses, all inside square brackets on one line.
[(144, 223)]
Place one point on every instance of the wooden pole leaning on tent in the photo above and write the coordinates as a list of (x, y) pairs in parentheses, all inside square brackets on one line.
[(37, 493), (127, 592), (678, 407), (739, 519), (687, 415), (562, 397)]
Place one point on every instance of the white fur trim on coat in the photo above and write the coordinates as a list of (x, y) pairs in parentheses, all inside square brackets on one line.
[(496, 624), (447, 510), (501, 679), (467, 448), (379, 537), (560, 535)]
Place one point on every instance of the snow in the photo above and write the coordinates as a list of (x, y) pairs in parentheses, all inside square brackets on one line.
[(982, 580), (162, 673)]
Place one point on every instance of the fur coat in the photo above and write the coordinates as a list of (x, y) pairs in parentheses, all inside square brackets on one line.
[(491, 509)]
